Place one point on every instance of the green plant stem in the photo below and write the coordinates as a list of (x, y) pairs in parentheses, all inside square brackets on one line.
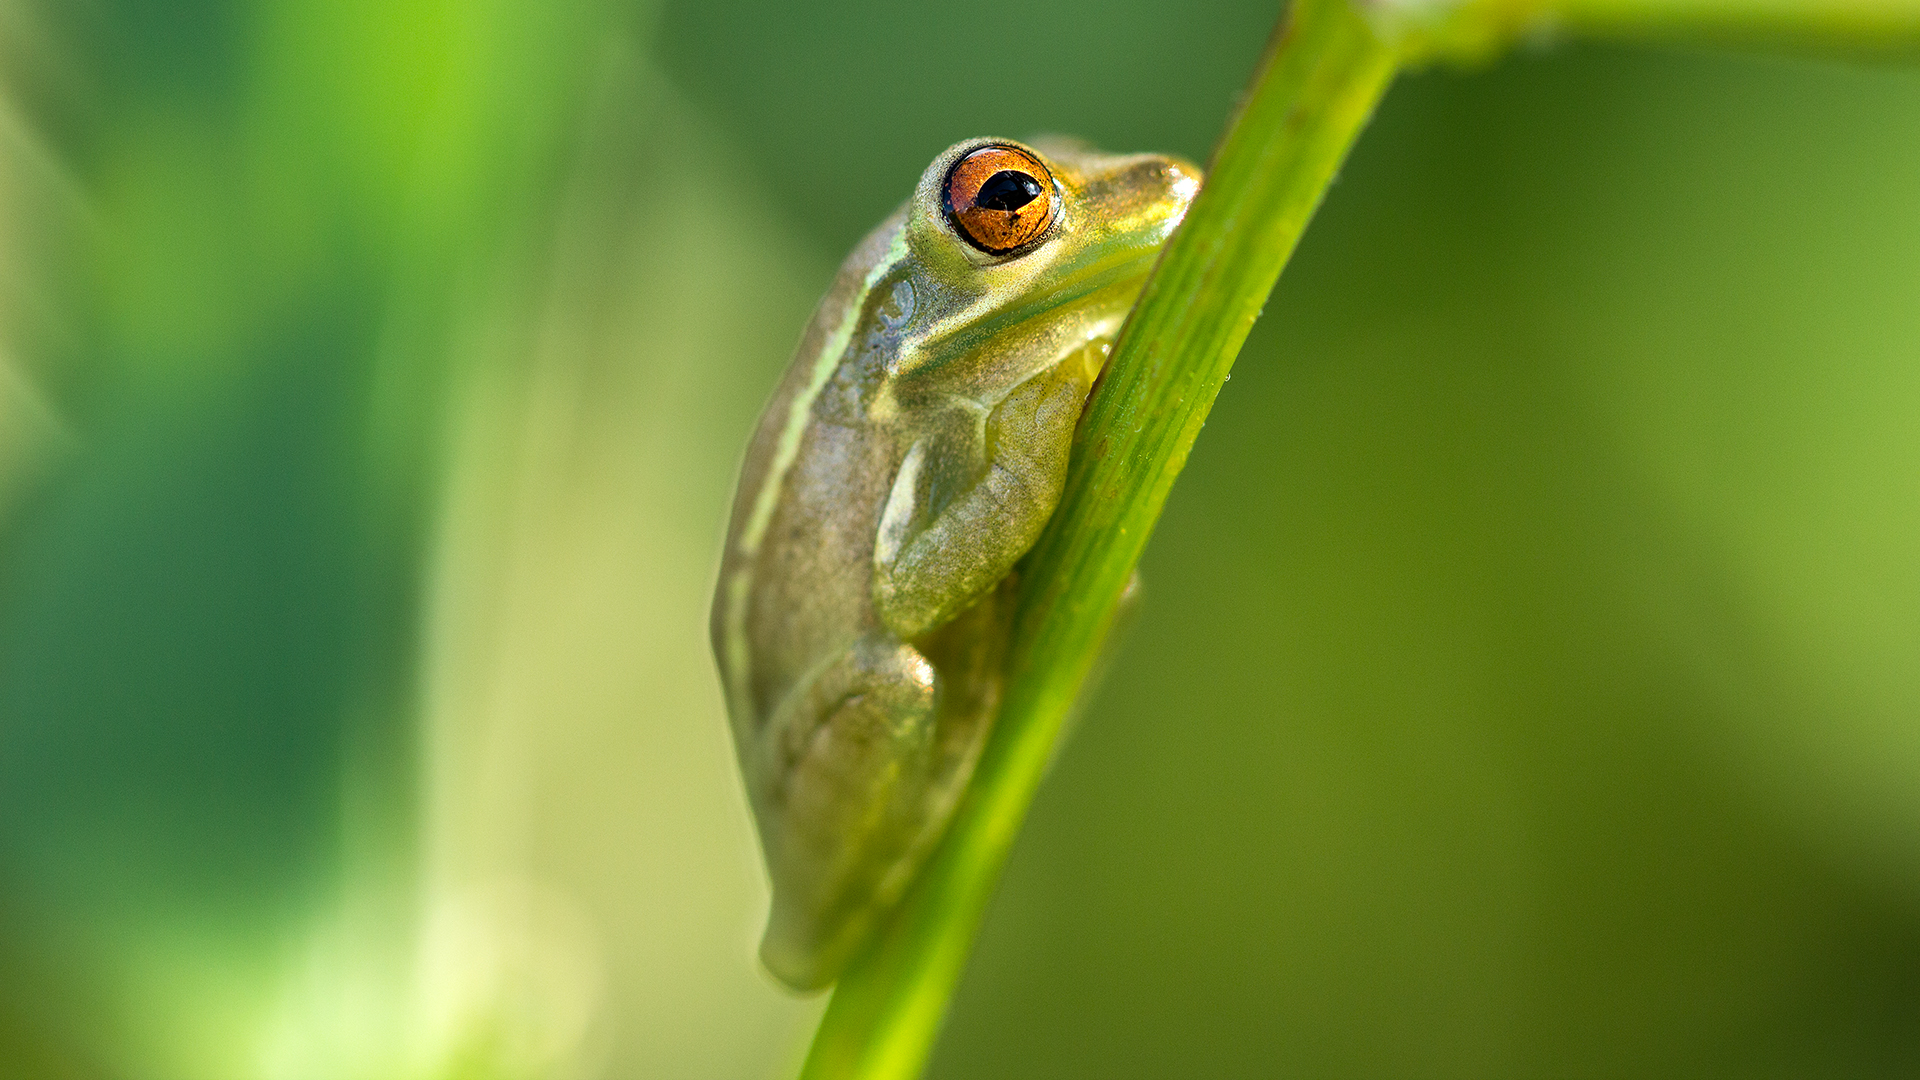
[(1316, 87)]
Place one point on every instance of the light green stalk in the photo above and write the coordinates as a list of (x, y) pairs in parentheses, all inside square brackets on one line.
[(1480, 29)]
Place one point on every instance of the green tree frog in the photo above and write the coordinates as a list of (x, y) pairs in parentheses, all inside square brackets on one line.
[(911, 455)]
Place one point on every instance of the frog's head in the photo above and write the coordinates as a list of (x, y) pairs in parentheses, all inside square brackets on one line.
[(1015, 250)]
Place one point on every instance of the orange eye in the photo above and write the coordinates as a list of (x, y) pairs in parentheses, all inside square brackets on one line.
[(1000, 199)]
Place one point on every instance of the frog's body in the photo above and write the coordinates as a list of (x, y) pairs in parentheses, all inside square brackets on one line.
[(912, 454)]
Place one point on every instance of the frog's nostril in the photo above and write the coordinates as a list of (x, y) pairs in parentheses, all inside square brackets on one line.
[(1007, 190)]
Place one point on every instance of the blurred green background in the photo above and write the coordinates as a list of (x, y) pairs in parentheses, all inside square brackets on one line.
[(1529, 678)]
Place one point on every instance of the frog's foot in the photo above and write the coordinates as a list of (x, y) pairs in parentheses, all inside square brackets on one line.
[(850, 806)]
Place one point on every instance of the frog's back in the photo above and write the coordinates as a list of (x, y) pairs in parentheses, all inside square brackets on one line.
[(796, 577)]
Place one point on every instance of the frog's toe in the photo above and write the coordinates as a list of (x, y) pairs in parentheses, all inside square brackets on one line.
[(792, 960), (801, 952)]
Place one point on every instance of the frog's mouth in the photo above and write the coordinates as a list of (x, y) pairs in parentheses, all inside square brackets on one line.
[(1113, 267), (1109, 278)]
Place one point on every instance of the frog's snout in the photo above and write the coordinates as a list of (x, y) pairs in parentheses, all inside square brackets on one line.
[(1143, 196)]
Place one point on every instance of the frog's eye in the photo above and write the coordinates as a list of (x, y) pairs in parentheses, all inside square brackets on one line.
[(1000, 199)]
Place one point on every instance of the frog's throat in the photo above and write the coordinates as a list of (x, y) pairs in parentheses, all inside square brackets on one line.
[(786, 450)]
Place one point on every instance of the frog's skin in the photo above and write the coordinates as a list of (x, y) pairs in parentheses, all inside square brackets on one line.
[(913, 452)]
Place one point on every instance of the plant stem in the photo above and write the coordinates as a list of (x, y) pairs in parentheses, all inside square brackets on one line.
[(1316, 86), (1476, 30)]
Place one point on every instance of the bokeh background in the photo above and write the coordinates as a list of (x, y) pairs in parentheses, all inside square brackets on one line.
[(1528, 683)]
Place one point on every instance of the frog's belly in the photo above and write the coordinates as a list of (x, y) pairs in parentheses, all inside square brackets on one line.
[(812, 593)]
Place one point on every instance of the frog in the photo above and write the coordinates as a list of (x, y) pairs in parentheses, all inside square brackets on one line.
[(912, 454)]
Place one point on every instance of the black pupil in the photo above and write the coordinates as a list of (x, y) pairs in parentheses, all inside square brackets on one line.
[(1007, 190)]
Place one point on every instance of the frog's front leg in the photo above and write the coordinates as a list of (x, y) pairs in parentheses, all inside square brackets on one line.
[(852, 746), (923, 577)]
